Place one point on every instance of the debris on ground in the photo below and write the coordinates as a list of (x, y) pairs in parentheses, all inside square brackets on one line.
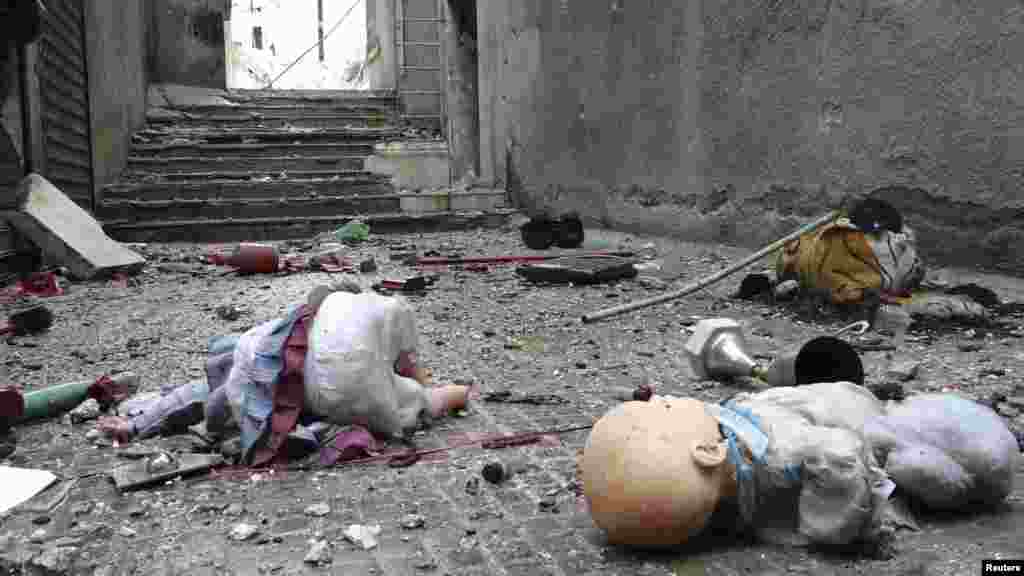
[(410, 285), (319, 554), (368, 266), (364, 536), (353, 232), (509, 397), (21, 484), (318, 510), (31, 318), (542, 232), (413, 521), (242, 532), (229, 312), (40, 285), (162, 467), (579, 270), (86, 411)]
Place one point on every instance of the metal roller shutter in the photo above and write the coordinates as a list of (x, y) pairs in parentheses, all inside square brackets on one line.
[(64, 96), (420, 65)]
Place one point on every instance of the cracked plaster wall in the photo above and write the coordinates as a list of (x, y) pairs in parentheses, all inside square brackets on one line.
[(733, 120)]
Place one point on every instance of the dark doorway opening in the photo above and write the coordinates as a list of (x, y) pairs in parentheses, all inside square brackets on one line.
[(463, 118)]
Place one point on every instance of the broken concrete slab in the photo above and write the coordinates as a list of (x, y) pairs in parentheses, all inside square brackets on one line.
[(66, 234)]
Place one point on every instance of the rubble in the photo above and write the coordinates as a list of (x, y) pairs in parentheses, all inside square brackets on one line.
[(66, 233), (318, 510), (243, 531), (364, 536), (319, 554)]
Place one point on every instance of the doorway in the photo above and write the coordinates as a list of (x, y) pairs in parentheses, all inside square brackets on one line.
[(463, 118), (297, 45)]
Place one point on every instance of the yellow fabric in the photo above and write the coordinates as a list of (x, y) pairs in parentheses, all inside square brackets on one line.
[(836, 258)]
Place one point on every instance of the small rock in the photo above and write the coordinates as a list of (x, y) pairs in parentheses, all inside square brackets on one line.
[(903, 370), (473, 486), (55, 559), (489, 333), (365, 536), (242, 532), (651, 283), (888, 390), (81, 508), (136, 512), (1007, 409), (549, 504), (41, 520), (126, 532), (581, 365), (786, 290), (319, 554), (228, 313), (38, 537), (318, 510), (368, 266), (425, 564), (88, 410), (413, 521), (969, 346), (234, 509)]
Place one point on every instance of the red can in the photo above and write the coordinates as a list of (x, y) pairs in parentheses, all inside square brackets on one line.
[(12, 406), (255, 259)]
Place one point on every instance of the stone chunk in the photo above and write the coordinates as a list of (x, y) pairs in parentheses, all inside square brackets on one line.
[(67, 234)]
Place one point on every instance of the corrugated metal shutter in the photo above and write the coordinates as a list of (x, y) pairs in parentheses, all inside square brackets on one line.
[(64, 95), (420, 62)]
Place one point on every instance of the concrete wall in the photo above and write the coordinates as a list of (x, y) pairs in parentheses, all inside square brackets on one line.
[(186, 42), (116, 47), (733, 120), (380, 33)]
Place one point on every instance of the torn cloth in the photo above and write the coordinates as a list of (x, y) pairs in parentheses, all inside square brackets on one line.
[(844, 261), (265, 359)]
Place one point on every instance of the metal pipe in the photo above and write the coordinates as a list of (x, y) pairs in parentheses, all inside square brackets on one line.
[(714, 278)]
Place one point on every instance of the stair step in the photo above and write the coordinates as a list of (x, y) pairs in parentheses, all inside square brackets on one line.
[(306, 97), (241, 135), (253, 150), (264, 229), (259, 207), (243, 175), (275, 122), (268, 189), (179, 164)]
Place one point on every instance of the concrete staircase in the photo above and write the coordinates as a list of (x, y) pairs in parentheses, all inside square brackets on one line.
[(253, 165)]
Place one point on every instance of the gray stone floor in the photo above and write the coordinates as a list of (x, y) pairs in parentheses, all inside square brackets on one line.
[(487, 327)]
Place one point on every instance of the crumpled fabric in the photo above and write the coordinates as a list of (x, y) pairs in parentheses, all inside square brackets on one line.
[(808, 474), (355, 342), (351, 444), (947, 451), (844, 261)]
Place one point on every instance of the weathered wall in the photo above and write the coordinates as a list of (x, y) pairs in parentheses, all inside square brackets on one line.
[(186, 42), (380, 34), (730, 120), (116, 48)]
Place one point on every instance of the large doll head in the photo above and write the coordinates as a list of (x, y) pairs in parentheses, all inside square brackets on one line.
[(653, 472)]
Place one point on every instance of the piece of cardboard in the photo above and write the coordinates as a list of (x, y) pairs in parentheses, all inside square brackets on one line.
[(67, 234), (21, 484)]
